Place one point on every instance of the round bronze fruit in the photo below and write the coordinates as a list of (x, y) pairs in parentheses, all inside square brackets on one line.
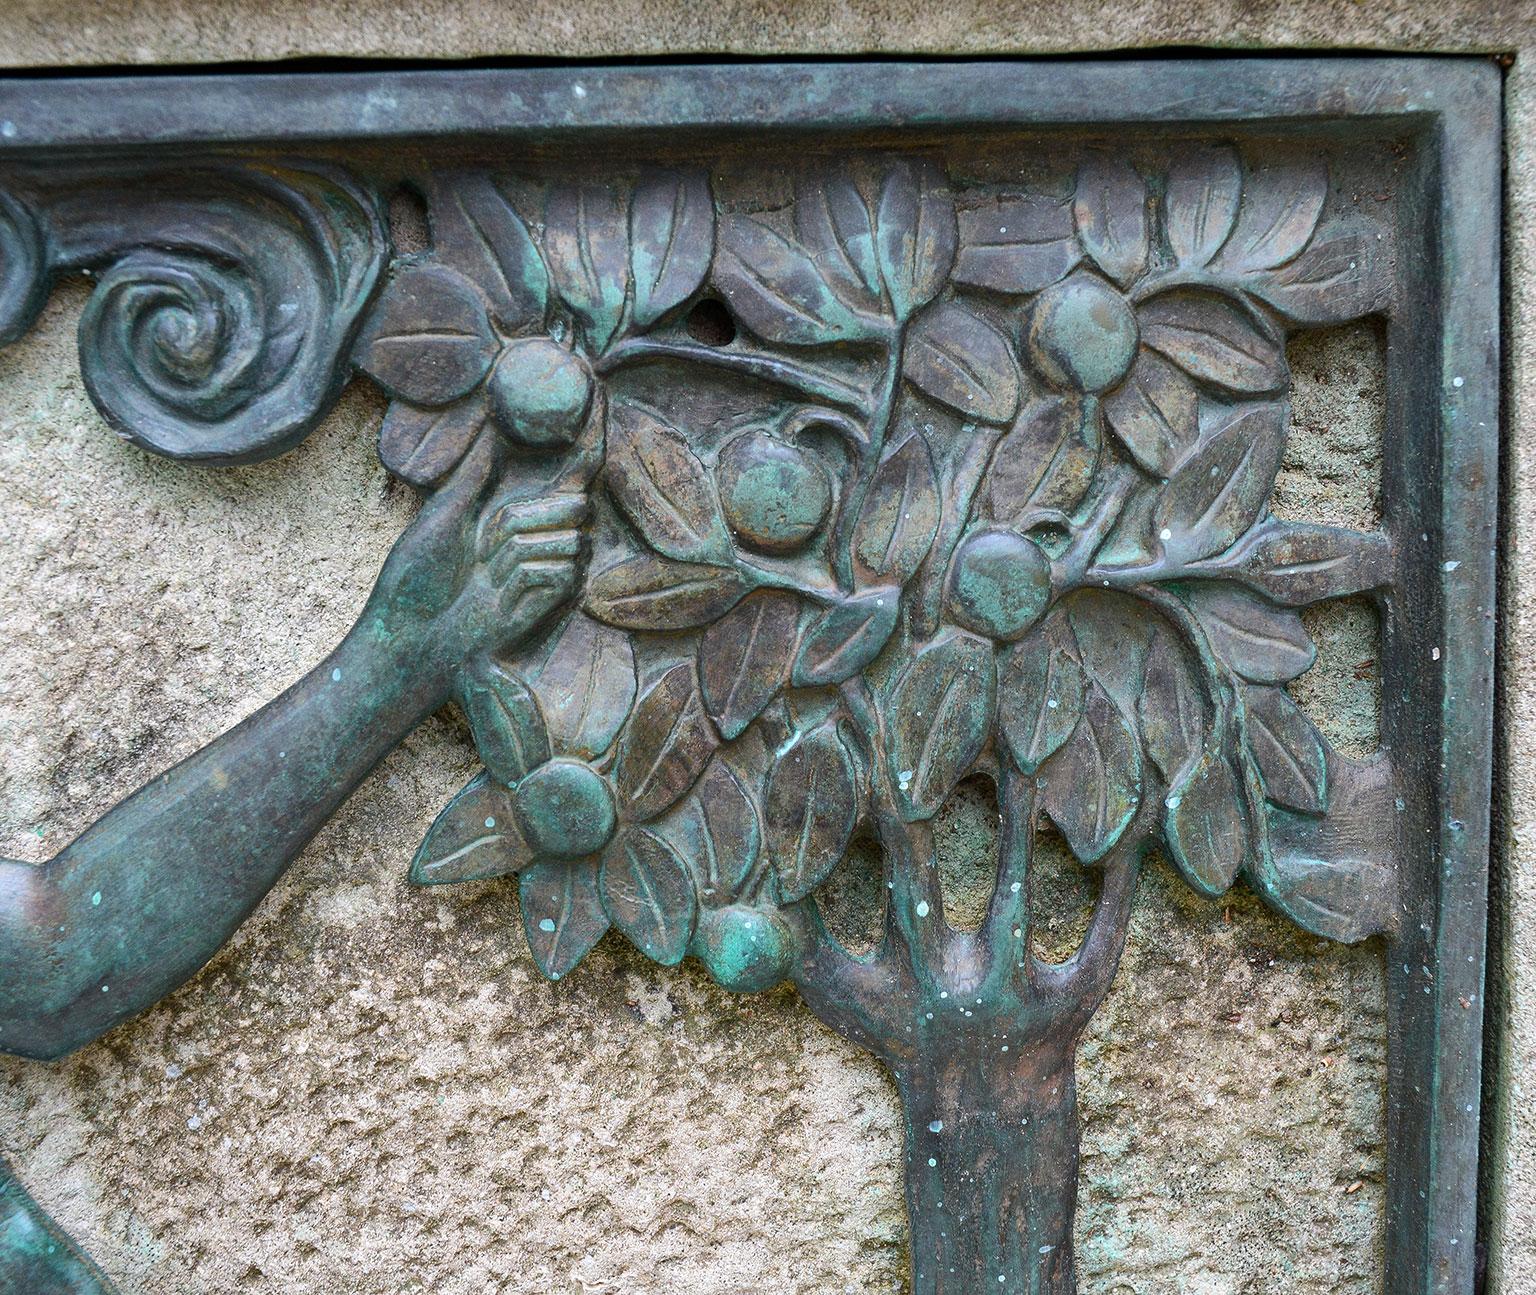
[(1001, 584), (775, 495), (746, 950), (565, 808), (1082, 334), (541, 392)]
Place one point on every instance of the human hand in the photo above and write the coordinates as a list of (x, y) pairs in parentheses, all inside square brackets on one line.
[(482, 566)]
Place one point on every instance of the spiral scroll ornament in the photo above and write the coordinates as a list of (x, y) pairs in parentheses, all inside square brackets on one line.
[(22, 266), (225, 306)]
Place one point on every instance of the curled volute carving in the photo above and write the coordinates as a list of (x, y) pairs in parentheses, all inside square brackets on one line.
[(226, 299), (23, 262)]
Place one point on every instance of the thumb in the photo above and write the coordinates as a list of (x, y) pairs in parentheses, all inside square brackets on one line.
[(453, 503), (467, 482)]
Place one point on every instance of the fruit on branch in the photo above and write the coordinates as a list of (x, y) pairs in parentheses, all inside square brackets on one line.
[(775, 495), (1082, 334), (1001, 584), (565, 808), (541, 392), (746, 950)]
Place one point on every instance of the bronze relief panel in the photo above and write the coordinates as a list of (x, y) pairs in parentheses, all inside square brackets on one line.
[(774, 485)]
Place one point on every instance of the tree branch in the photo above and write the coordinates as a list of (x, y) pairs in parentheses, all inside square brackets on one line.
[(766, 368), (1079, 984), (928, 587), (1068, 570), (914, 909), (868, 456), (853, 996), (1008, 910), (914, 912)]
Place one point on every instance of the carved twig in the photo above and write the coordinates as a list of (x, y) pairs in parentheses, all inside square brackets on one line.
[(1009, 909), (929, 585), (811, 383), (868, 455), (915, 926), (915, 922), (1069, 570), (858, 997), (1077, 986)]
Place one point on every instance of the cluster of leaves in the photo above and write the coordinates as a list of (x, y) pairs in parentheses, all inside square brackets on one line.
[(1162, 702), (865, 263), (1178, 722), (691, 573), (747, 713), (1214, 263), (614, 261), (696, 825)]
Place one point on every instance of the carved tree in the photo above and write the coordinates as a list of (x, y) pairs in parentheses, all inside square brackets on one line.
[(1007, 514)]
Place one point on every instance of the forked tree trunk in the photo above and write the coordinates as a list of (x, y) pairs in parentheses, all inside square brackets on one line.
[(991, 1168), (981, 1037)]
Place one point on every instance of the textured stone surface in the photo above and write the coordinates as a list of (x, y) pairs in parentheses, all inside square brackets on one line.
[(95, 32), (148, 608)]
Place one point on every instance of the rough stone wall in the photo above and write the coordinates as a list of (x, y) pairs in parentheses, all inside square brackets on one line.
[(370, 1089)]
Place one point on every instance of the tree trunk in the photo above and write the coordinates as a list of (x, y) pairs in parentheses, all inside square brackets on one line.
[(981, 1036), (991, 1161)]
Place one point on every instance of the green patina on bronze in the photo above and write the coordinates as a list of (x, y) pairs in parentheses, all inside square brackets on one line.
[(755, 525), (35, 1256), (774, 495), (1082, 334)]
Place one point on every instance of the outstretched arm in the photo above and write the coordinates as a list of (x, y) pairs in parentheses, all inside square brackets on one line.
[(147, 894)]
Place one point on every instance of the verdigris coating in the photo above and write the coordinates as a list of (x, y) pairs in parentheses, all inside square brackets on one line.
[(37, 1257), (1003, 511)]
